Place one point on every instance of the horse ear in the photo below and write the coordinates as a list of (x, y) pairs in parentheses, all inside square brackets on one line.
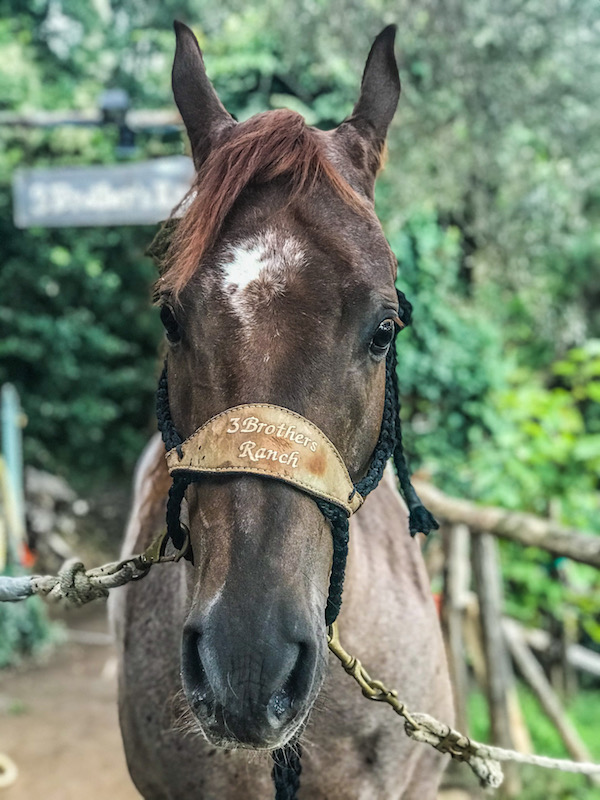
[(379, 90), (203, 114)]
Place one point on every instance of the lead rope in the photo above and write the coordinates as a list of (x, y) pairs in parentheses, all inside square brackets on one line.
[(286, 761)]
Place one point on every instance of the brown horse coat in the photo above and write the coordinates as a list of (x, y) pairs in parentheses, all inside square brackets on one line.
[(276, 289), (353, 749)]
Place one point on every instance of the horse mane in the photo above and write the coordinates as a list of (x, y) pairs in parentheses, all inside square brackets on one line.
[(267, 146)]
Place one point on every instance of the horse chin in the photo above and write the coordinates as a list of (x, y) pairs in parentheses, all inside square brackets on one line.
[(221, 728), (225, 739)]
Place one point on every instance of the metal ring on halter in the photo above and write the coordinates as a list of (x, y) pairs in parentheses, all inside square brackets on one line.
[(155, 553)]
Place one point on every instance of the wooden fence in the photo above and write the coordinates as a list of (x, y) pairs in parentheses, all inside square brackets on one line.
[(476, 629)]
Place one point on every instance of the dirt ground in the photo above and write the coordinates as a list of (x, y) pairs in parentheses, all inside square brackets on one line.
[(58, 720)]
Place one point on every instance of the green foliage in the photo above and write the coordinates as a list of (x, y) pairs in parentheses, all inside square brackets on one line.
[(448, 359), (84, 372), (542, 453), (25, 630), (489, 199), (540, 784)]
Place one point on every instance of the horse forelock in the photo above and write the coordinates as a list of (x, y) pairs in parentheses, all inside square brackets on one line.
[(268, 146)]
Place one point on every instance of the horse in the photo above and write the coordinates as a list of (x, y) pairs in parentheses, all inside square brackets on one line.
[(277, 287)]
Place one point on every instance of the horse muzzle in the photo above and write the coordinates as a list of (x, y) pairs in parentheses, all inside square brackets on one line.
[(250, 688)]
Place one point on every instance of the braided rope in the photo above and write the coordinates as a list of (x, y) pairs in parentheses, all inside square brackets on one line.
[(387, 434), (174, 528), (163, 413), (420, 520), (340, 530), (485, 760), (172, 439), (389, 444), (287, 767), (76, 586)]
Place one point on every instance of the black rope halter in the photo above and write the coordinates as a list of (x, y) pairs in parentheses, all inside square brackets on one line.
[(286, 761)]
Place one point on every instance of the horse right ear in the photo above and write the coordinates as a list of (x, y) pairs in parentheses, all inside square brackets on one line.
[(203, 114), (379, 90)]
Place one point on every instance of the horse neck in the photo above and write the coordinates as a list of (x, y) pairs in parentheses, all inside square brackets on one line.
[(383, 557)]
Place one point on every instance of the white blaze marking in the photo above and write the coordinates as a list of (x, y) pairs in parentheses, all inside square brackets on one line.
[(266, 260), (246, 265)]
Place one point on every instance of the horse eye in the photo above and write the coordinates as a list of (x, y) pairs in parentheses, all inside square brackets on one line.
[(171, 325), (383, 338)]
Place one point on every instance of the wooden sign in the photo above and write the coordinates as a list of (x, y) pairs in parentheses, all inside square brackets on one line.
[(141, 193)]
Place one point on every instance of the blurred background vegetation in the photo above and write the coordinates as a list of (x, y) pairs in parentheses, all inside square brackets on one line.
[(490, 199)]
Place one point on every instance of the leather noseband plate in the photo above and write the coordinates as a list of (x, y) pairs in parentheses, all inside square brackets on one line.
[(271, 441)]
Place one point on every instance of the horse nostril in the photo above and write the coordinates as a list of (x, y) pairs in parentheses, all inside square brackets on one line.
[(280, 708), (200, 692)]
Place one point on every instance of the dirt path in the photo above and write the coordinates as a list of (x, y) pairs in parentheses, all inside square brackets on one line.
[(58, 722)]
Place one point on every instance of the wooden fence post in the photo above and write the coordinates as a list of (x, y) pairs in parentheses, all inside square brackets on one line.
[(457, 578), (533, 674), (500, 679)]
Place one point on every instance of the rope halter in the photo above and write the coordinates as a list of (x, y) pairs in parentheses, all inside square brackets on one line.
[(276, 443)]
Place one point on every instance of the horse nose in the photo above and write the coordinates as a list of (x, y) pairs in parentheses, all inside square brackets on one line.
[(246, 691), (289, 690)]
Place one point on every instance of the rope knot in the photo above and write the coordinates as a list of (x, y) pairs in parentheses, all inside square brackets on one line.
[(428, 730), (73, 585), (76, 586)]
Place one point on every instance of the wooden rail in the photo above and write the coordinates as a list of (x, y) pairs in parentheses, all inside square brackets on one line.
[(526, 529), (473, 622), (135, 118)]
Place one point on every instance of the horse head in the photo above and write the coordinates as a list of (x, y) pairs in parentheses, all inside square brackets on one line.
[(277, 287)]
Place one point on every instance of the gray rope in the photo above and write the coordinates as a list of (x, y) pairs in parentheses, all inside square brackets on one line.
[(74, 585), (484, 759), (14, 589)]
